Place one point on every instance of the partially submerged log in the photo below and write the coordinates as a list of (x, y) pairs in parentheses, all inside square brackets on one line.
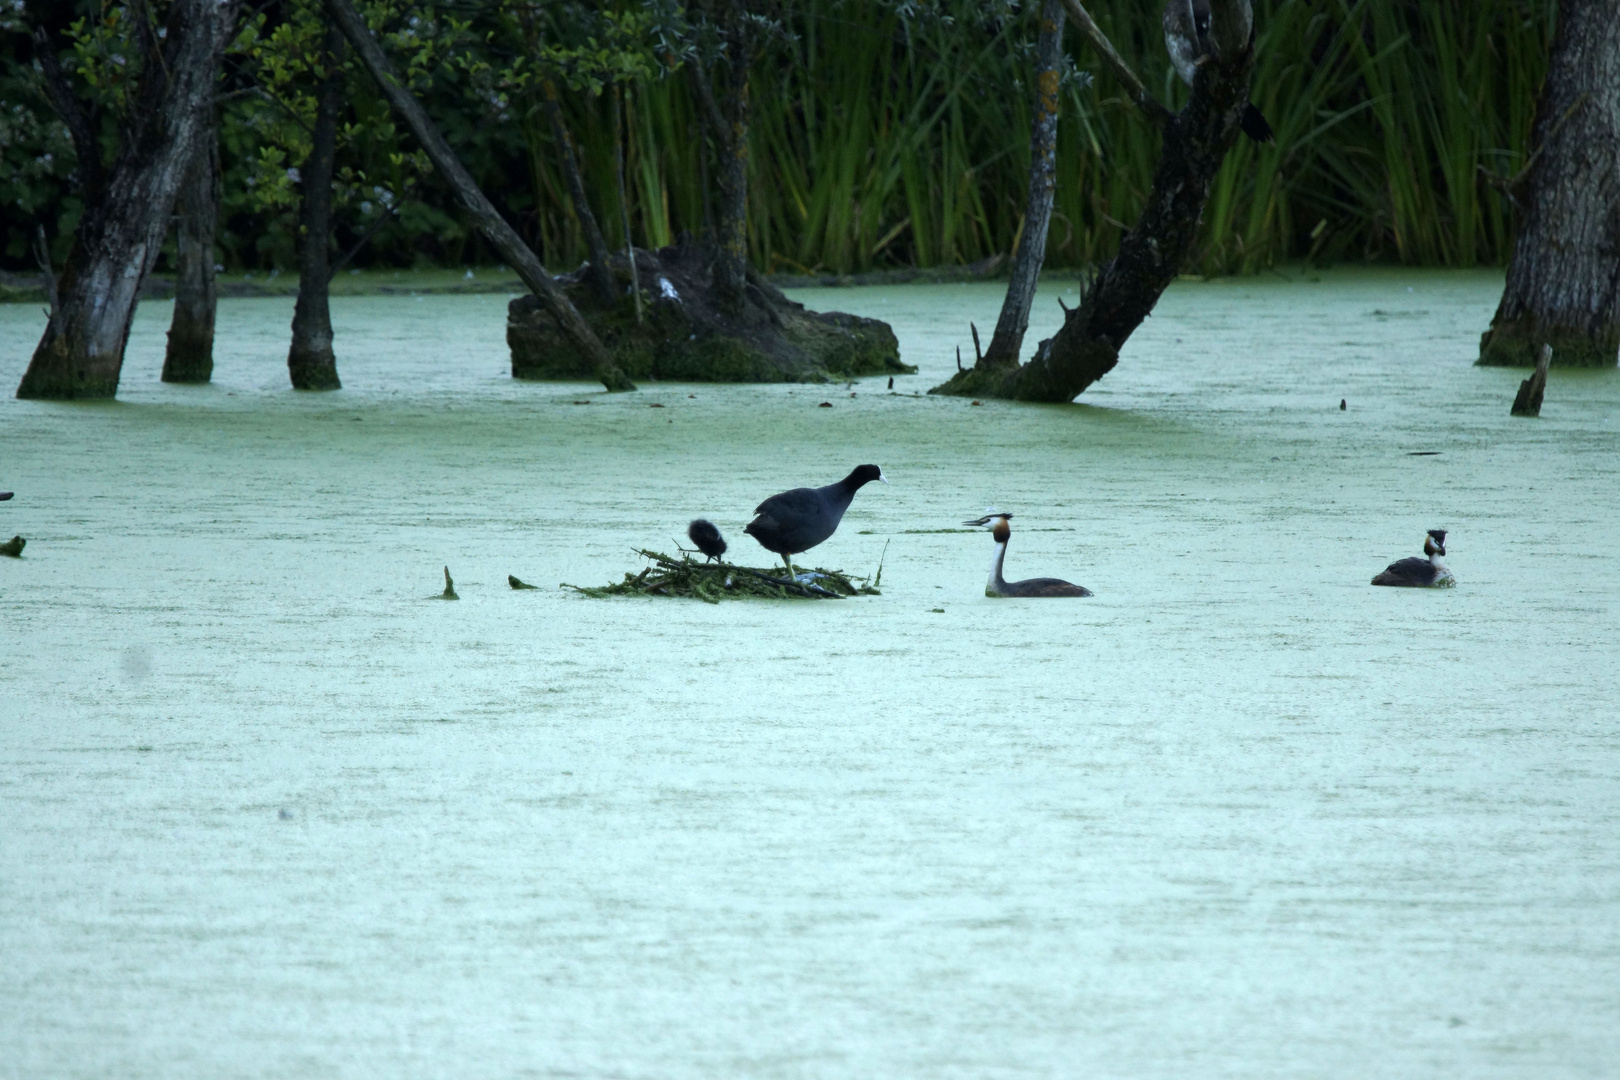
[(712, 582), (688, 332)]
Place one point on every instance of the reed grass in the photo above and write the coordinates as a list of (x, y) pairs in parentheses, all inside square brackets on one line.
[(878, 142)]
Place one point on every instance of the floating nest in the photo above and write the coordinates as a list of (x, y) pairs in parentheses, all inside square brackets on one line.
[(714, 582)]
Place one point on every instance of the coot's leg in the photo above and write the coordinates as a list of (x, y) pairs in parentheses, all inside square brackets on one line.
[(792, 576)]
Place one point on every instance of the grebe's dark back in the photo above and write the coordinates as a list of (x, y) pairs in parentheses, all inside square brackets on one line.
[(1415, 573)]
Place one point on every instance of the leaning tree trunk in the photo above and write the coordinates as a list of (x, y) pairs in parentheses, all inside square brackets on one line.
[(310, 361), (1026, 272), (601, 272), (121, 232), (1563, 285), (505, 238), (190, 354), (1150, 256)]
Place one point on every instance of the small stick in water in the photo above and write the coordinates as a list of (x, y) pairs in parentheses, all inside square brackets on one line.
[(13, 547), (449, 587), (516, 584)]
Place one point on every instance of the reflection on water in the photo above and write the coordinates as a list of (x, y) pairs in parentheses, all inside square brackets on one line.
[(271, 810)]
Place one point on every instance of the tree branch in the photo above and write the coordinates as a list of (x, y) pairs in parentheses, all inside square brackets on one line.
[(79, 125), (1231, 27), (712, 116), (518, 254), (1116, 63)]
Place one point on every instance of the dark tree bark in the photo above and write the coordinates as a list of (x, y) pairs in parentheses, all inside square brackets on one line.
[(500, 234), (1563, 284), (601, 273), (189, 357), (1026, 271), (1150, 256), (310, 361), (624, 202), (727, 120), (121, 232)]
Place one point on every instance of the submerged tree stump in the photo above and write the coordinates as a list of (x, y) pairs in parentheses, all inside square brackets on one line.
[(687, 332), (1533, 389)]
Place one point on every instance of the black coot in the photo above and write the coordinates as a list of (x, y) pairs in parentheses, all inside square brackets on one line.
[(796, 521), (706, 538)]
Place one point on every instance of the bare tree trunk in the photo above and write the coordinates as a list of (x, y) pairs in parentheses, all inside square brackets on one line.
[(728, 124), (601, 275), (1563, 285), (121, 232), (1150, 256), (501, 235), (310, 361), (1026, 271), (624, 201), (190, 354)]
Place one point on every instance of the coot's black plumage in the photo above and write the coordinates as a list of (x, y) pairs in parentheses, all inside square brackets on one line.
[(796, 521), (1415, 573), (707, 538)]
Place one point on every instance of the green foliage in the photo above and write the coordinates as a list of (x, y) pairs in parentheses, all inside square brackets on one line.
[(897, 135), (883, 133)]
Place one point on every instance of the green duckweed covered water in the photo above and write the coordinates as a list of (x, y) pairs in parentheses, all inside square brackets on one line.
[(273, 809)]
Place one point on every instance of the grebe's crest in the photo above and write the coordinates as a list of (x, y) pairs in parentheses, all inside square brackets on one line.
[(1435, 542)]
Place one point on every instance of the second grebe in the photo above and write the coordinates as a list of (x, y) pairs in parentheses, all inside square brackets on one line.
[(795, 521), (999, 586), (1429, 573)]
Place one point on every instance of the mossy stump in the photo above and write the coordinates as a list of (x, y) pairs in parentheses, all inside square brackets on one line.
[(688, 334)]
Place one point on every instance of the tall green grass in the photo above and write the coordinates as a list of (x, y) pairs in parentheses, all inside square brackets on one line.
[(880, 143)]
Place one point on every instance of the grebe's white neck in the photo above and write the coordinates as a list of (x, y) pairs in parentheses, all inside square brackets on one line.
[(997, 584)]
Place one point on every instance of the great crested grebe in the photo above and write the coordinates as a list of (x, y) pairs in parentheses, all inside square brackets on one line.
[(707, 538), (1429, 573), (796, 521), (1001, 532), (1186, 38)]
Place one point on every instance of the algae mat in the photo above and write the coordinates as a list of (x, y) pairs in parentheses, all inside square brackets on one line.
[(272, 809)]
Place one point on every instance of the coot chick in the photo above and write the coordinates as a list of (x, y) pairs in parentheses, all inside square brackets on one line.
[(1415, 573), (796, 521), (999, 586), (707, 538)]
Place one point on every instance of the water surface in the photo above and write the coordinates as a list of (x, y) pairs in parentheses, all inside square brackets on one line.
[(271, 810)]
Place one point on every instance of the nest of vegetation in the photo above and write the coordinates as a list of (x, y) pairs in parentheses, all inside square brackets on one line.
[(713, 582)]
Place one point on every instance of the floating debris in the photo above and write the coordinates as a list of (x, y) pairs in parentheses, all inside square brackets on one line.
[(13, 547), (449, 587), (714, 582), (516, 584)]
